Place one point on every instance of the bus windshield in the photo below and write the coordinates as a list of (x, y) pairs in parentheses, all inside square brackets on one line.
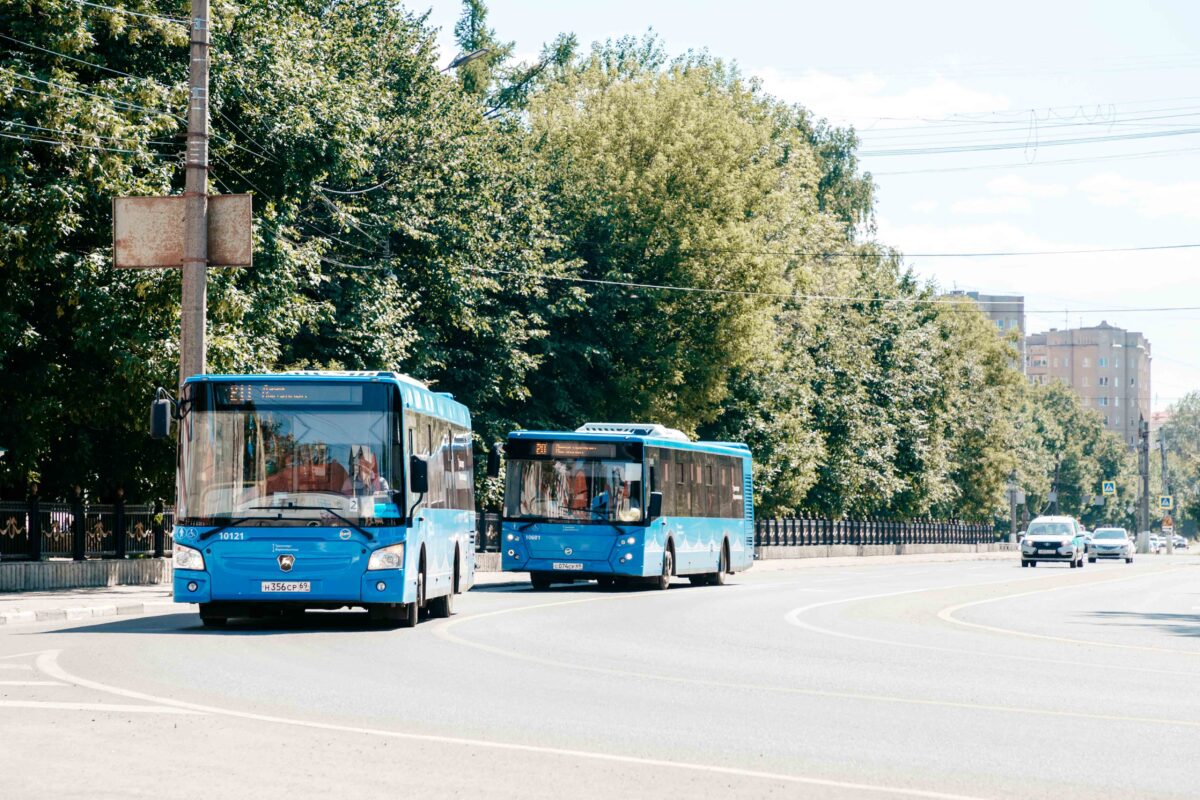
[(574, 490), (287, 453)]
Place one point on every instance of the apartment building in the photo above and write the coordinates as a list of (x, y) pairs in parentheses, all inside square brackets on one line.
[(1007, 313), (1107, 367)]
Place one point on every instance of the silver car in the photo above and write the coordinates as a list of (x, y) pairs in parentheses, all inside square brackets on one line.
[(1111, 543), (1053, 539)]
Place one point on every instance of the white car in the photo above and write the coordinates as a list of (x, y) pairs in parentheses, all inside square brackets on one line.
[(1180, 542), (1053, 539), (1111, 543), (1157, 545)]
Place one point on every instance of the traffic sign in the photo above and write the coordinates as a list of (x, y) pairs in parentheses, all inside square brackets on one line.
[(1109, 487), (1166, 502)]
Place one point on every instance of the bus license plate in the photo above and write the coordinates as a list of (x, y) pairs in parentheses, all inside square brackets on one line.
[(567, 565), (286, 586)]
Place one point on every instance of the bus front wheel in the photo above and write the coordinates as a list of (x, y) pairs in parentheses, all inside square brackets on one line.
[(664, 580), (540, 580)]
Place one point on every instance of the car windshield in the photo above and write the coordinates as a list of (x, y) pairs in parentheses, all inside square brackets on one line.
[(286, 453), (574, 490), (1109, 533), (1051, 529)]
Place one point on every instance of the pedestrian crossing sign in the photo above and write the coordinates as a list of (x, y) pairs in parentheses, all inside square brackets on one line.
[(1166, 502), (1109, 487)]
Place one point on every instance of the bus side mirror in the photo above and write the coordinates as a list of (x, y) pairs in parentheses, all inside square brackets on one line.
[(655, 510), (160, 418), (418, 475), (493, 465)]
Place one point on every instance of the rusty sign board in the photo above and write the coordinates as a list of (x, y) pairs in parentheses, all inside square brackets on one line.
[(148, 231)]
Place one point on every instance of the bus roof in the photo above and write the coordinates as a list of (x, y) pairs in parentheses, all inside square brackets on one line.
[(417, 395), (723, 448)]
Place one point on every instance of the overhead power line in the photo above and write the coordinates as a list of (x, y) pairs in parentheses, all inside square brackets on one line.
[(964, 254), (66, 143), (176, 20), (1026, 145)]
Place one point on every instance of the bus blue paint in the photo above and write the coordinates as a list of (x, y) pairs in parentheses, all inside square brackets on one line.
[(562, 549), (228, 418)]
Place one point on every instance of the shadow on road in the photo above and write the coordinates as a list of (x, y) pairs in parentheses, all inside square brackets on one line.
[(188, 624), (1177, 624)]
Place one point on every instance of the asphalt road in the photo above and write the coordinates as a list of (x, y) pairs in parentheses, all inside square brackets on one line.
[(971, 678)]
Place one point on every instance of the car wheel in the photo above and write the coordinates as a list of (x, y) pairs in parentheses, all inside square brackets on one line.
[(1091, 559), (1033, 563), (1129, 560), (1074, 563), (1024, 562)]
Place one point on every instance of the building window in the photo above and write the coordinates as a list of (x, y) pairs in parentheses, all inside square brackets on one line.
[(1116, 363), (1102, 382), (1103, 401), (1066, 361), (1117, 401), (1133, 381), (1000, 324), (1103, 362), (1087, 362), (1056, 363), (1085, 381)]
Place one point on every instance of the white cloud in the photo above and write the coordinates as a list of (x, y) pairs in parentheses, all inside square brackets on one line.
[(863, 97), (1016, 186), (993, 205), (925, 206), (1149, 199)]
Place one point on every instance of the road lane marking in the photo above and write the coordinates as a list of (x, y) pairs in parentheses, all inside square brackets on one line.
[(16, 666), (947, 615), (48, 663), (116, 708), (31, 683), (443, 631), (793, 617)]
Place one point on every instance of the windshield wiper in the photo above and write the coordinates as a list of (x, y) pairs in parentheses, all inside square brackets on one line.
[(333, 512)]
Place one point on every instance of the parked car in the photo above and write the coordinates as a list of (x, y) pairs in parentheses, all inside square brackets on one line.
[(1180, 541), (1053, 539), (1157, 545), (1110, 543)]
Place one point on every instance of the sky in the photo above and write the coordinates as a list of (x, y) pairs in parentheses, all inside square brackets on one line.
[(1002, 96)]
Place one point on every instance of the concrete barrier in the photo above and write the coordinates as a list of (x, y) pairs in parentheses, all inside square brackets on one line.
[(29, 576)]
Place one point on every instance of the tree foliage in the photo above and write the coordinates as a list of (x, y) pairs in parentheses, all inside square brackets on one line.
[(609, 235)]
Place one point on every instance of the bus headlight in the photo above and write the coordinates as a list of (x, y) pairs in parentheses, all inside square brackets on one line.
[(188, 558), (387, 557)]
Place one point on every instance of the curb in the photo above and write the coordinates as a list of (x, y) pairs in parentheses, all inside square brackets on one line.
[(77, 613)]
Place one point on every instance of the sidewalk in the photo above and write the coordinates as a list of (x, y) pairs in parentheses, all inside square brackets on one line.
[(109, 601)]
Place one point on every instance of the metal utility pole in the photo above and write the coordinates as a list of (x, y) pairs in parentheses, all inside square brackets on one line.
[(1012, 508), (195, 226), (1166, 489), (1143, 538)]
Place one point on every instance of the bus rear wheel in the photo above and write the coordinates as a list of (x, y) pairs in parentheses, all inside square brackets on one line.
[(718, 578)]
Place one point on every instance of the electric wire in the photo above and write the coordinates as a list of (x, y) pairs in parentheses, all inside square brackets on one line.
[(65, 143), (176, 20), (86, 133)]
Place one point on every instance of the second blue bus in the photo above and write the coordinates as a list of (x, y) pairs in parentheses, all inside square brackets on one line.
[(626, 503)]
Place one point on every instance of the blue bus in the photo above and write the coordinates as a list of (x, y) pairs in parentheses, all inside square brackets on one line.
[(625, 502), (320, 490)]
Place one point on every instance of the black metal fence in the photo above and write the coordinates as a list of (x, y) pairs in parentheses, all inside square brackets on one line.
[(807, 531), (33, 530)]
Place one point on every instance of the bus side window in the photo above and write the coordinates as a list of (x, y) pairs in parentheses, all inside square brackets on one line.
[(683, 498), (711, 506), (665, 485)]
